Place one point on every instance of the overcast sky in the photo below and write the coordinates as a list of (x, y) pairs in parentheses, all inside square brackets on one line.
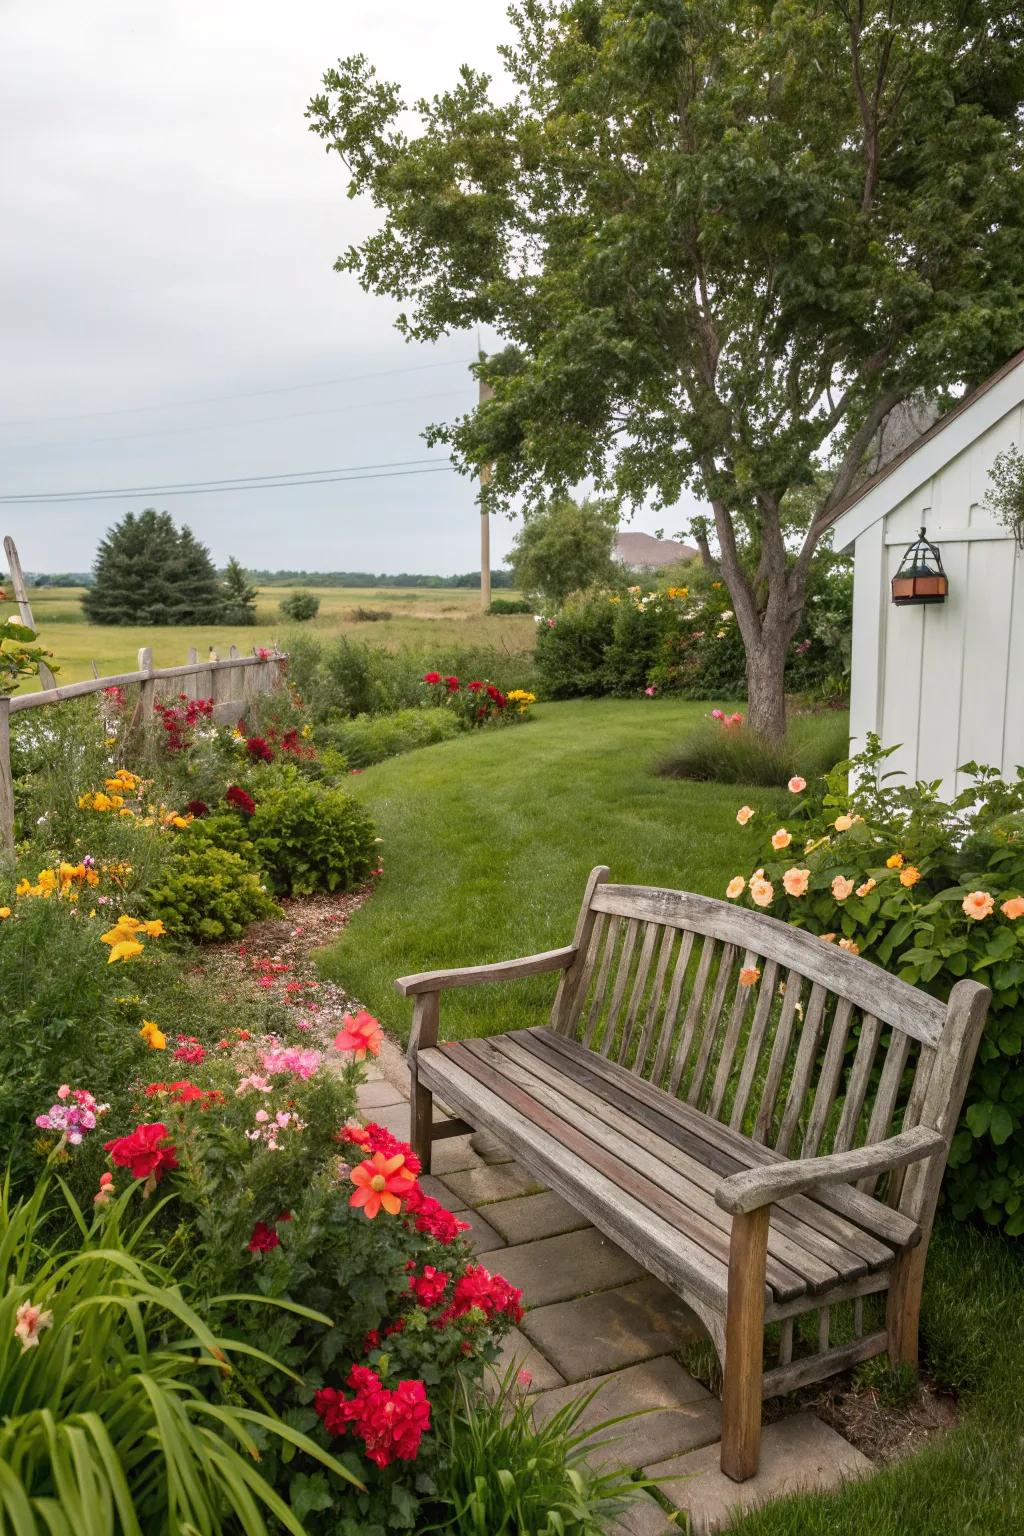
[(169, 232)]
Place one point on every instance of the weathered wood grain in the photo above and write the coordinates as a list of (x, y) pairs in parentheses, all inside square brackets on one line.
[(758, 1186), (744, 1347), (473, 975)]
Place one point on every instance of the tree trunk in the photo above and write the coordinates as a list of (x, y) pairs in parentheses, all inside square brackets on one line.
[(766, 688)]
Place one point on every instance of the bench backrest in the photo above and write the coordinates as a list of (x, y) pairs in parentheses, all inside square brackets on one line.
[(819, 1051)]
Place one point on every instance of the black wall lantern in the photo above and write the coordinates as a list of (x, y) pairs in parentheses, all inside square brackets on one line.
[(920, 577)]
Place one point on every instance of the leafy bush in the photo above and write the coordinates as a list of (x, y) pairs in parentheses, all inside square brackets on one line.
[(313, 839), (933, 890), (208, 894), (371, 738), (571, 647), (299, 606), (503, 1475), (108, 1402), (361, 615), (510, 605), (720, 755)]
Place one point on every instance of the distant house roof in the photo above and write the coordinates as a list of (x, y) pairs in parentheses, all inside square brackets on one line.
[(643, 551), (984, 405)]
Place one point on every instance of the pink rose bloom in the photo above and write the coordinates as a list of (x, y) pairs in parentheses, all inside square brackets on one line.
[(841, 887), (795, 880), (737, 885), (762, 892), (796, 785), (744, 814)]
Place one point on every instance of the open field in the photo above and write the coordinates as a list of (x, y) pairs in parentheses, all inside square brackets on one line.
[(420, 617)]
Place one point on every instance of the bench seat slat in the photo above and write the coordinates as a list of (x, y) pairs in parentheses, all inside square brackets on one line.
[(860, 1211)]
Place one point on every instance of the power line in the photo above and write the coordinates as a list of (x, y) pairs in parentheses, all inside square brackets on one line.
[(219, 490), (251, 394), (294, 475)]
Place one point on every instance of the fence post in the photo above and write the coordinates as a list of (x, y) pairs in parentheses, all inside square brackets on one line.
[(46, 677), (6, 780), (147, 688)]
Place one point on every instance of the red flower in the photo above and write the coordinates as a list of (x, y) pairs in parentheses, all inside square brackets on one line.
[(142, 1153), (238, 797), (430, 1217), (359, 1033), (190, 1050), (263, 1238), (184, 1092), (258, 748), (474, 687), (490, 1294), (390, 1423), (429, 1287), (198, 808), (431, 677), (452, 684)]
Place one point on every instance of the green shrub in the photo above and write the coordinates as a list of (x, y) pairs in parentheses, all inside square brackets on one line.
[(363, 615), (510, 605), (504, 1475), (299, 606), (112, 1418), (916, 862), (208, 894), (734, 755), (571, 647), (313, 839), (371, 738), (226, 830)]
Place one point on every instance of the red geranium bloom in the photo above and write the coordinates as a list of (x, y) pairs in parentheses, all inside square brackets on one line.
[(430, 1216), (263, 1238), (259, 748), (142, 1153), (238, 797), (474, 687), (490, 1294), (190, 1050), (390, 1423), (452, 684), (429, 1287), (431, 677)]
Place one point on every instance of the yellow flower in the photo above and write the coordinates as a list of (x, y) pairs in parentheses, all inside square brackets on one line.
[(843, 823), (737, 885), (781, 839), (909, 876), (23, 887), (154, 928), (744, 814), (124, 928), (153, 1035), (124, 949), (894, 861), (5, 911)]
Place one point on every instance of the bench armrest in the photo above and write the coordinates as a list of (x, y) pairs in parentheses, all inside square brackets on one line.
[(502, 970), (754, 1187)]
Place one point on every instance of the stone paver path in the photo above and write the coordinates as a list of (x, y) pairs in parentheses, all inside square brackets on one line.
[(595, 1319)]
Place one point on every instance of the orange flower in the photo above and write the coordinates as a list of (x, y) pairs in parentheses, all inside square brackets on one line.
[(827, 938), (843, 823), (359, 1034), (762, 891), (795, 881), (841, 887), (894, 861), (796, 785), (381, 1182), (850, 946), (744, 814), (978, 904), (866, 888), (1013, 908), (737, 885), (909, 876), (748, 975), (781, 839)]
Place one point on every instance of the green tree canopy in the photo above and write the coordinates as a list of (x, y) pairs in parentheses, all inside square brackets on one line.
[(721, 239), (147, 571), (239, 594), (565, 547)]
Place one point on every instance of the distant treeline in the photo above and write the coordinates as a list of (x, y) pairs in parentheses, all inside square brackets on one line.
[(304, 579)]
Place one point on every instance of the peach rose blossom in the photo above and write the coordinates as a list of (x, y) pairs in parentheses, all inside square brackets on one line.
[(850, 946), (1013, 908), (749, 975), (866, 888), (894, 861), (827, 938), (909, 876), (796, 785), (744, 814), (737, 885), (841, 887), (781, 839), (762, 892), (978, 904), (795, 881), (843, 823)]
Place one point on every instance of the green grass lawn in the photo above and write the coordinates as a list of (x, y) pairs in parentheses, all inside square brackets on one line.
[(420, 617), (487, 843)]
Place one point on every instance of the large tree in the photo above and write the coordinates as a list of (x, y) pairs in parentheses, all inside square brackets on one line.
[(147, 571), (720, 240), (565, 546)]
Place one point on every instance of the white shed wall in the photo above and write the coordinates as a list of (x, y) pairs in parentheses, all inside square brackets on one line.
[(945, 681)]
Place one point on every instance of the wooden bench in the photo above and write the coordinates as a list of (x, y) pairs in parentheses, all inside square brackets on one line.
[(768, 1146)]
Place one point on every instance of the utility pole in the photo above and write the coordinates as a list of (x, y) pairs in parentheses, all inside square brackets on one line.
[(486, 393)]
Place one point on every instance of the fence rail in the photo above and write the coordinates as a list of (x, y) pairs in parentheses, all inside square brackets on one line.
[(232, 683)]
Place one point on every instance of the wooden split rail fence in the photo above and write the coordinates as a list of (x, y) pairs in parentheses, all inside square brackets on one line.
[(232, 684)]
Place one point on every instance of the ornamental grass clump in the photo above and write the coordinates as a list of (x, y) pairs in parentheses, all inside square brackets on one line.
[(932, 890)]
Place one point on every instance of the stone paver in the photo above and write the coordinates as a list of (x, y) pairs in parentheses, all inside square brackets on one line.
[(481, 1234), (674, 1413), (644, 1518), (486, 1182), (380, 1094), (432, 1186), (516, 1346), (557, 1268), (453, 1155), (797, 1454), (595, 1334), (489, 1147), (533, 1216)]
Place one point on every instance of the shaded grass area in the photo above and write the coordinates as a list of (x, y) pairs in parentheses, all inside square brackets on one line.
[(714, 754), (488, 841)]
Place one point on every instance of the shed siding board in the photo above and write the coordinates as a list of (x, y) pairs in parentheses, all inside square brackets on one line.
[(946, 681)]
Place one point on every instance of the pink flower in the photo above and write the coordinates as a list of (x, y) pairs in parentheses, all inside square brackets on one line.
[(762, 892), (744, 814), (737, 885), (795, 881), (781, 839), (29, 1322), (716, 714), (359, 1033), (796, 785), (842, 888), (651, 691)]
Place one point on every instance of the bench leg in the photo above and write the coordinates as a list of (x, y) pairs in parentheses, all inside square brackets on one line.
[(903, 1307), (422, 1115), (744, 1345)]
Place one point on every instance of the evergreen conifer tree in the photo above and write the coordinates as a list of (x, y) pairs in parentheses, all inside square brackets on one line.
[(147, 571), (239, 594)]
